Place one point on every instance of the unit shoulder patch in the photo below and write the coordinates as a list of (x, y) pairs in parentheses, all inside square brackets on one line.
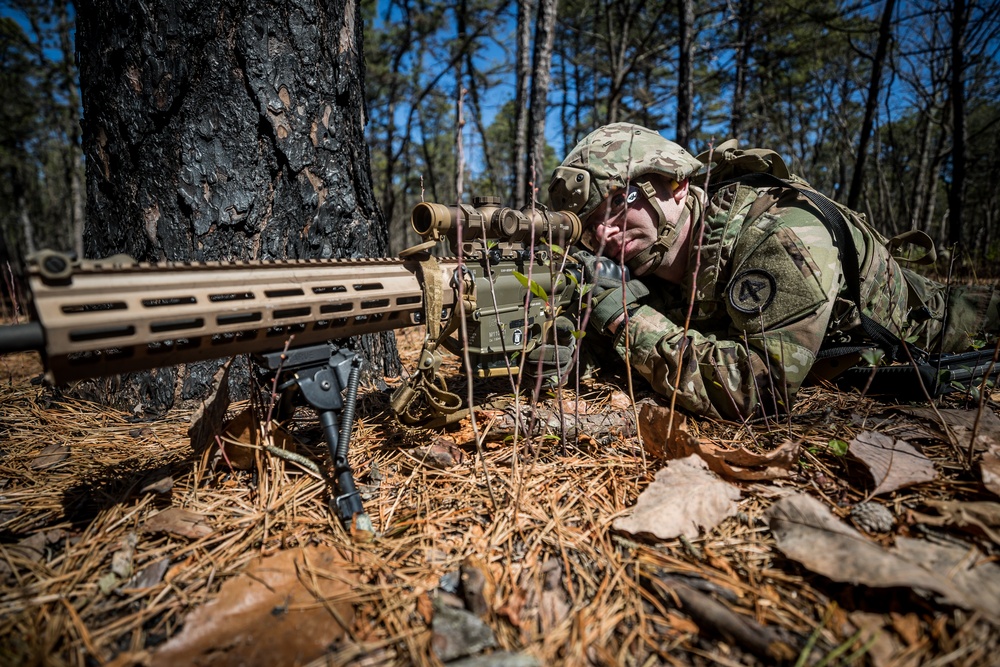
[(752, 291)]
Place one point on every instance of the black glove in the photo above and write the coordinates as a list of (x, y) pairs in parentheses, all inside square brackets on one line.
[(553, 359), (606, 302)]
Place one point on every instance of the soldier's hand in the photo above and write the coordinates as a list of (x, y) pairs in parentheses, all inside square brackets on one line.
[(610, 297), (553, 359)]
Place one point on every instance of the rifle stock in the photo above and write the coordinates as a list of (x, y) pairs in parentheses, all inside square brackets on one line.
[(938, 374)]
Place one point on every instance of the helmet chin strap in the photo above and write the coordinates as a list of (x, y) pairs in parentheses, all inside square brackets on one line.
[(668, 233)]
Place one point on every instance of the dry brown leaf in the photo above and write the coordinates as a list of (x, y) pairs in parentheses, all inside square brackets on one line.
[(885, 649), (619, 400), (159, 481), (240, 435), (989, 468), (207, 420), (741, 464), (50, 456), (148, 577), (457, 633), (285, 609), (442, 453), (962, 422), (511, 609), (906, 626), (425, 607), (982, 516), (477, 586), (553, 607), (684, 496), (892, 463), (177, 521), (806, 531)]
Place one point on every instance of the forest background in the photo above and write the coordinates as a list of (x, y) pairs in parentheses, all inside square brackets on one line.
[(892, 107)]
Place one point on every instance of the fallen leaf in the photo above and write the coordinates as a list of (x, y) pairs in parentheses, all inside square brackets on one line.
[(285, 609), (619, 400), (740, 464), (684, 496), (158, 482), (425, 607), (962, 423), (121, 560), (207, 420), (441, 453), (476, 586), (511, 609), (31, 549), (893, 464), (239, 438), (907, 626), (806, 531), (553, 607), (573, 407), (177, 521), (989, 469), (885, 649), (148, 576), (982, 516), (458, 633), (50, 456)]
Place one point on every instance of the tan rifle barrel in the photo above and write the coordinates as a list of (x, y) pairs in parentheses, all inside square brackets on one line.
[(104, 317)]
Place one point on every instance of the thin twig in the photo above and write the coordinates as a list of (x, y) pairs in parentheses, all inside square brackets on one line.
[(982, 403), (461, 306)]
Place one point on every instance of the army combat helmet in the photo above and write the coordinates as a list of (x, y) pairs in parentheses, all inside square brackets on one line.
[(617, 157)]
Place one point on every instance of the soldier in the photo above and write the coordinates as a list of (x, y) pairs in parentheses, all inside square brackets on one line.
[(769, 288)]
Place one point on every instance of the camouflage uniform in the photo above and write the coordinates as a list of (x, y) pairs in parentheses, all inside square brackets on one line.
[(769, 293)]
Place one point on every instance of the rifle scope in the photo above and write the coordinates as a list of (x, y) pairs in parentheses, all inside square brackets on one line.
[(487, 214)]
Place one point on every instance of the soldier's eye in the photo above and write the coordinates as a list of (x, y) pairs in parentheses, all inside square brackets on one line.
[(618, 201)]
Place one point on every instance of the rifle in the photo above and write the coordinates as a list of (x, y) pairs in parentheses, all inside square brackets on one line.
[(93, 318), (938, 374)]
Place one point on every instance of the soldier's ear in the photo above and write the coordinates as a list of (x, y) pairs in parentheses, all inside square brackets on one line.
[(679, 191)]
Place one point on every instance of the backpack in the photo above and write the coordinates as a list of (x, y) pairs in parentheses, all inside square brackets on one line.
[(762, 167)]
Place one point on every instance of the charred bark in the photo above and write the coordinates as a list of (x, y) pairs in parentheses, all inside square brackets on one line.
[(225, 130)]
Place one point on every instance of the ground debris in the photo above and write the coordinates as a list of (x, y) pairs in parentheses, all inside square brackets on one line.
[(517, 534), (893, 463), (808, 532), (684, 497)]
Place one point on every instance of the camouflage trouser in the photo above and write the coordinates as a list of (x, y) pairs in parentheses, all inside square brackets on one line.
[(953, 319)]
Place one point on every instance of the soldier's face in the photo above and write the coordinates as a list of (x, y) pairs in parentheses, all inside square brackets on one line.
[(622, 226)]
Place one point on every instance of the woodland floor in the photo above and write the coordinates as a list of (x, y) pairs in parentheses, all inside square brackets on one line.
[(521, 566)]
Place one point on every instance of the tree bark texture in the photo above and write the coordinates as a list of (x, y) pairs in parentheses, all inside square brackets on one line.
[(541, 76), (523, 77), (226, 130)]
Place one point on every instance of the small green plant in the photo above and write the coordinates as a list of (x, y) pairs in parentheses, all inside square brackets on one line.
[(532, 285), (837, 447), (873, 356)]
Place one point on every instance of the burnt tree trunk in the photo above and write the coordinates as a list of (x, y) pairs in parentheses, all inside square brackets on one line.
[(225, 130)]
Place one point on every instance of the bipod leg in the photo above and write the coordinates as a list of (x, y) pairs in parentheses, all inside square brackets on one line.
[(321, 373)]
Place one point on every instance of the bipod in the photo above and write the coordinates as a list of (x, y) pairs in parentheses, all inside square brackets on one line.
[(319, 373)]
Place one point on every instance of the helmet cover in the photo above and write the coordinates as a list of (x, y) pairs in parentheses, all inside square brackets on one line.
[(611, 157)]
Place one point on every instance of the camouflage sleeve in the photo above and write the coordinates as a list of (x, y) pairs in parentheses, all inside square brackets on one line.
[(780, 299)]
